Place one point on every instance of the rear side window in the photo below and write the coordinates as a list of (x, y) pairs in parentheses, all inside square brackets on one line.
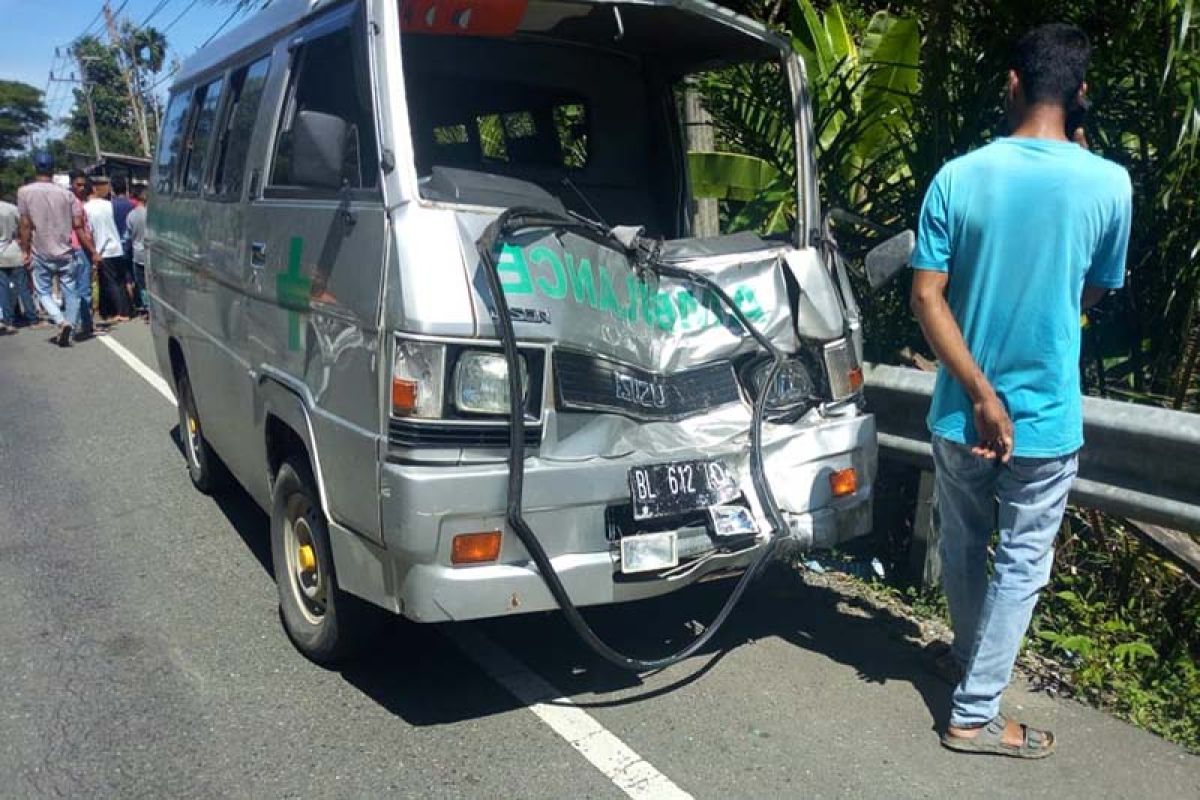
[(170, 143), (206, 103), (233, 145), (329, 77), (477, 127)]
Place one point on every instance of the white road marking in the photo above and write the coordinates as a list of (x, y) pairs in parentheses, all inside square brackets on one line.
[(628, 771), (137, 365), (616, 760)]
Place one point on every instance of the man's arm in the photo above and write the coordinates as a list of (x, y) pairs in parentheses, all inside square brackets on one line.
[(85, 236), (25, 237), (992, 424)]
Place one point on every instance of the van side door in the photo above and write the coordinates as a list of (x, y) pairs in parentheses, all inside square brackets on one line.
[(315, 235)]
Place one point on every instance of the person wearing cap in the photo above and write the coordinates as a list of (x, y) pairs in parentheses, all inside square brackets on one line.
[(47, 218)]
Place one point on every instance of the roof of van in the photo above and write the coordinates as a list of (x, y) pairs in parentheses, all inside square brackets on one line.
[(282, 14)]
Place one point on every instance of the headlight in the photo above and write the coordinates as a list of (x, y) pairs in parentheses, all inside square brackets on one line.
[(418, 374), (792, 387), (481, 383)]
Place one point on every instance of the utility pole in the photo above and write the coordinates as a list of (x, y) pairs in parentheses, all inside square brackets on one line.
[(127, 71), (87, 97), (700, 138)]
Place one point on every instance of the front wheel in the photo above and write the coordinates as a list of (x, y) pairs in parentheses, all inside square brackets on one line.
[(326, 625), (205, 469)]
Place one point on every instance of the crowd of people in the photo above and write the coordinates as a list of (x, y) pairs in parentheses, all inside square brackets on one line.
[(56, 243)]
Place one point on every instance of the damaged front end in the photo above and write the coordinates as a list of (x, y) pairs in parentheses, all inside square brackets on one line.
[(678, 402)]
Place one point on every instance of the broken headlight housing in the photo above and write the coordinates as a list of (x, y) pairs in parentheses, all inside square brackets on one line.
[(792, 391)]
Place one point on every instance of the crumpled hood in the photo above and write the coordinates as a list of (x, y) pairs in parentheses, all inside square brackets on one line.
[(567, 289), (589, 299)]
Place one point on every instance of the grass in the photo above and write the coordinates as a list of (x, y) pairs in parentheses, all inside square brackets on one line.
[(1118, 627)]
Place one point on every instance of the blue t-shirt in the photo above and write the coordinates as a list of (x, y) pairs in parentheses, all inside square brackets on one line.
[(121, 207), (1022, 225)]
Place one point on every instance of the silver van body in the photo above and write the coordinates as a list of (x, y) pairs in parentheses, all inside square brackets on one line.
[(296, 305)]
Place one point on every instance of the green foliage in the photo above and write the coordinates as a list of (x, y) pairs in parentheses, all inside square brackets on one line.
[(862, 95), (1124, 620), (22, 112), (141, 52)]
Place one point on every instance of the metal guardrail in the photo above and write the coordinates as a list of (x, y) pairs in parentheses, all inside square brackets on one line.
[(1138, 462)]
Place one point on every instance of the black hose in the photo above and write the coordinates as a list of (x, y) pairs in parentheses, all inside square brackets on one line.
[(516, 219)]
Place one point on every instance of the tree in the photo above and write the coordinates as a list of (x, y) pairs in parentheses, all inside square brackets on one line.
[(140, 50), (22, 113)]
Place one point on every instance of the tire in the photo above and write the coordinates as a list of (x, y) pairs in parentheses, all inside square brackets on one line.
[(205, 469), (327, 625)]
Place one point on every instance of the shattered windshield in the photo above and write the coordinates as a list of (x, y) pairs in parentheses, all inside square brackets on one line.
[(559, 114)]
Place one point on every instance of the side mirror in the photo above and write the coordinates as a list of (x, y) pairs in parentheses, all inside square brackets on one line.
[(319, 143), (889, 257)]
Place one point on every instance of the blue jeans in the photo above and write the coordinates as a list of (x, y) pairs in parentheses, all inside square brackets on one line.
[(20, 281), (139, 282), (83, 286), (44, 271), (1024, 500), (6, 305)]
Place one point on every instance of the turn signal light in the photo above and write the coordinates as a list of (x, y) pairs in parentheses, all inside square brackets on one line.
[(843, 482), (475, 548), (404, 396), (855, 378)]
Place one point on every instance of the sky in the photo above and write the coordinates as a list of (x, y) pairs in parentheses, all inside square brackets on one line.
[(33, 28)]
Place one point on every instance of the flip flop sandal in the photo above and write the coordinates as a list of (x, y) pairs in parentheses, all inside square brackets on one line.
[(990, 740)]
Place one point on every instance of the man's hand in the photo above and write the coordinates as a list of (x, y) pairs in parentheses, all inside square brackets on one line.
[(993, 429)]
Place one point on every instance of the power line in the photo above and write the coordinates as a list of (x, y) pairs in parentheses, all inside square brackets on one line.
[(239, 10), (161, 5), (180, 16), (88, 27)]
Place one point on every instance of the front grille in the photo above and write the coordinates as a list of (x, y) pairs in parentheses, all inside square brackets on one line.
[(406, 433), (594, 383)]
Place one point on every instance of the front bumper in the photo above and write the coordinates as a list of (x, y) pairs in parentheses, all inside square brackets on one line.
[(425, 506)]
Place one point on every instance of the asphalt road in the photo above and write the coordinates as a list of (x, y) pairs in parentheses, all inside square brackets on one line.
[(141, 656)]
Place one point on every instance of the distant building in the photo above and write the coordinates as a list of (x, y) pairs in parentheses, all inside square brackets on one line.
[(135, 169)]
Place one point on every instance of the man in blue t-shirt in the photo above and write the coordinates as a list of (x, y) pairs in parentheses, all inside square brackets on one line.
[(1015, 240)]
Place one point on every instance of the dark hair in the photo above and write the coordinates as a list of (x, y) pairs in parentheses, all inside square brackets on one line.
[(119, 186), (89, 185), (76, 174), (1051, 61)]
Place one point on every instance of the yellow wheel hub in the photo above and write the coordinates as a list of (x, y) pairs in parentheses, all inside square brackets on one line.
[(306, 558), (191, 424)]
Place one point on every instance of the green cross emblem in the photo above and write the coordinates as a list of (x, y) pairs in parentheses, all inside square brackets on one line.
[(292, 290)]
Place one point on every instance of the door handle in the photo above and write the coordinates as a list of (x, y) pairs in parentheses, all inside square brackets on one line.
[(258, 255)]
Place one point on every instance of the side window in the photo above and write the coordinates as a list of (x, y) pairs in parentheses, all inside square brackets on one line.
[(329, 77), (547, 136), (171, 142), (206, 103), (233, 145)]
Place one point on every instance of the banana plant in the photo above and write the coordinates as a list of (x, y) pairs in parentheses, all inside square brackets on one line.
[(862, 98)]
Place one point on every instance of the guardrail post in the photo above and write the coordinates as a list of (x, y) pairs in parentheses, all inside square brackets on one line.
[(923, 554)]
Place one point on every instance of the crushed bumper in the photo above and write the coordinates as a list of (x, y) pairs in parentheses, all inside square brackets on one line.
[(425, 506)]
